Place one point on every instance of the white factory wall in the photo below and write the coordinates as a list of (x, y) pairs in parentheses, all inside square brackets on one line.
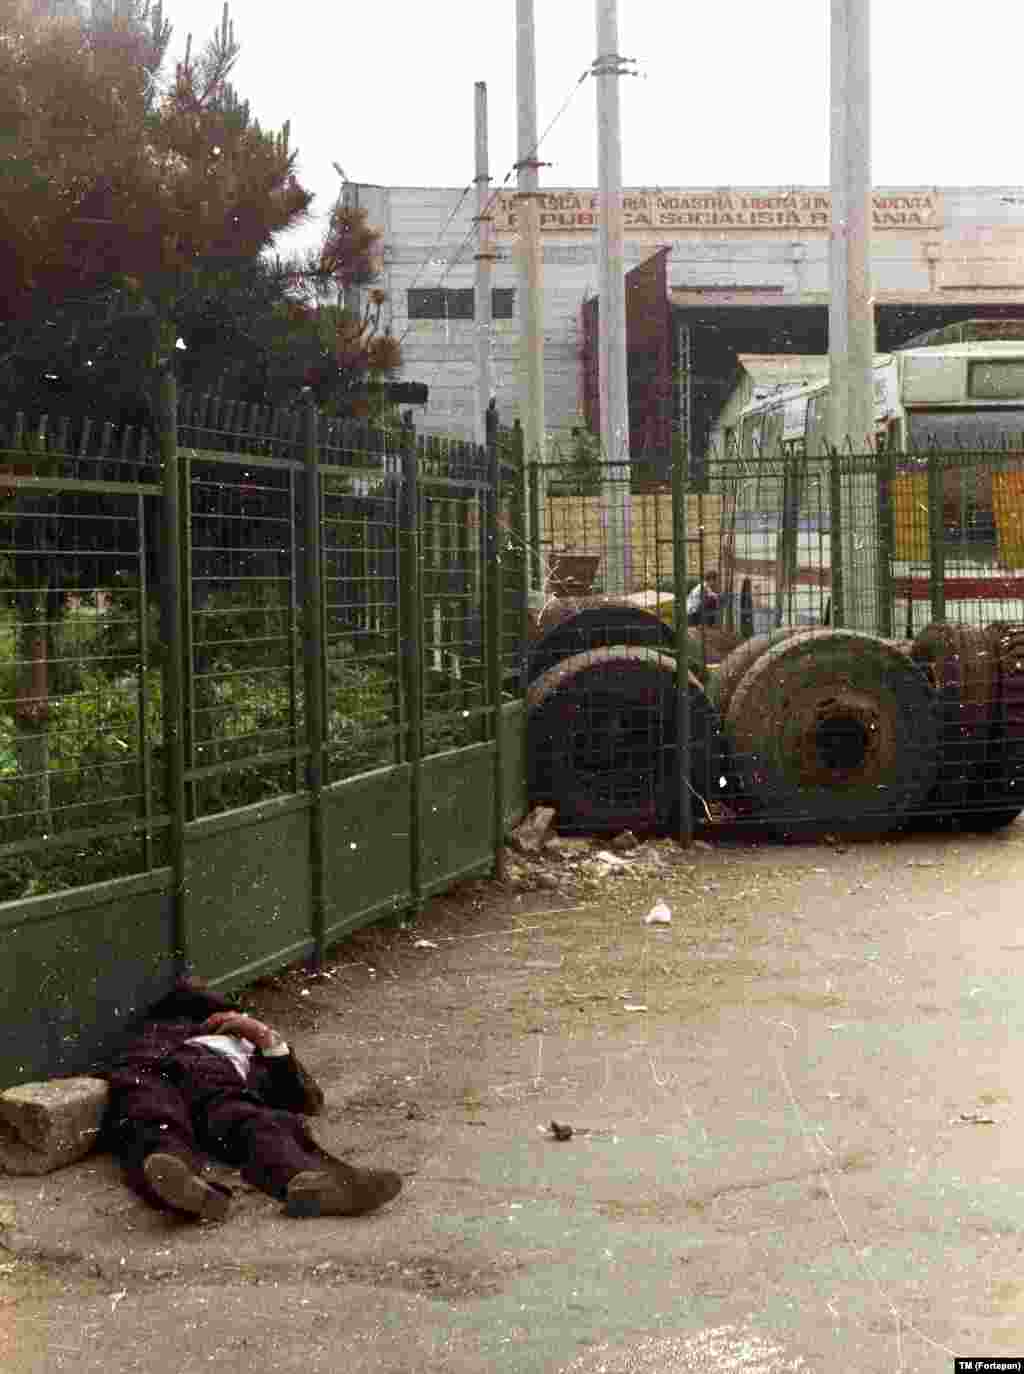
[(973, 249)]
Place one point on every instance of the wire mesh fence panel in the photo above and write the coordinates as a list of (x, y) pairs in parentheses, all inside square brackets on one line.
[(773, 547), (81, 778), (510, 543), (880, 598), (244, 717), (285, 630), (363, 690), (604, 695), (453, 556)]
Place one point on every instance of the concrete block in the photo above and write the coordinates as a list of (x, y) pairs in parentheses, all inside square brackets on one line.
[(44, 1126)]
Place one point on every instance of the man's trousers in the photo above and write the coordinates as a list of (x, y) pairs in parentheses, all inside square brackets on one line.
[(195, 1104)]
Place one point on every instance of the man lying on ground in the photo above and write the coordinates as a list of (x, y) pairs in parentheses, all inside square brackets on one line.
[(195, 1079)]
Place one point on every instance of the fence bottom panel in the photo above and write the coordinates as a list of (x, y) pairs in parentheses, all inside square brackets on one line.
[(513, 724), (248, 899), (367, 848), (456, 811), (76, 966)]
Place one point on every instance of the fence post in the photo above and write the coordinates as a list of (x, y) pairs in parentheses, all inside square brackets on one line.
[(495, 605), (412, 614), (936, 536), (886, 544), (533, 524), (313, 659), (172, 558), (835, 538), (522, 515), (680, 492)]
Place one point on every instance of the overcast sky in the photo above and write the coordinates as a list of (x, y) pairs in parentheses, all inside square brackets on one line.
[(727, 93)]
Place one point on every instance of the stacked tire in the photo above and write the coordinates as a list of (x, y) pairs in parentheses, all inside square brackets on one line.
[(1003, 789), (802, 727), (603, 726), (960, 665), (979, 680), (830, 727)]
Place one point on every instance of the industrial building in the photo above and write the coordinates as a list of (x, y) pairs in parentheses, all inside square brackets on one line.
[(712, 273)]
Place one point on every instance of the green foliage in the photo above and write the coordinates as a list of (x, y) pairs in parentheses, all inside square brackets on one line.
[(360, 717), (581, 468), (94, 736), (247, 704)]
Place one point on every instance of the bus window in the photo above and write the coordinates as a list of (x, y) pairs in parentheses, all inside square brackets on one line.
[(966, 429), (751, 441), (773, 430), (996, 379)]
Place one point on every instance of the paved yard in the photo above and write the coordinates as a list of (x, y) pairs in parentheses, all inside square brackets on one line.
[(797, 1140)]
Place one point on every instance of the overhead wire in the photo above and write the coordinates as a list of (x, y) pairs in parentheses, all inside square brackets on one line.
[(440, 238), (454, 261)]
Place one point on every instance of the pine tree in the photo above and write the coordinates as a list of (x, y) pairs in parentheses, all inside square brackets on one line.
[(119, 190), (117, 184)]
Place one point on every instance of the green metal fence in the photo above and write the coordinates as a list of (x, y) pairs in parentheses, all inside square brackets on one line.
[(856, 660), (618, 738), (880, 597), (259, 684)]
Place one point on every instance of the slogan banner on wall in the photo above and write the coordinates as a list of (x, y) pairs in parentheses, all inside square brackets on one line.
[(722, 211)]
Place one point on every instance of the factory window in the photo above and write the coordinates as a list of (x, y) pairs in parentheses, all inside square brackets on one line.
[(451, 303), (440, 303)]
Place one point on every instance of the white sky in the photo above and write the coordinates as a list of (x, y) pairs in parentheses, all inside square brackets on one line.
[(730, 92)]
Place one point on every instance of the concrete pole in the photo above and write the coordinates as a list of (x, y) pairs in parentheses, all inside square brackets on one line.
[(531, 333), (838, 317), (851, 310), (353, 296), (860, 294), (484, 258), (612, 378)]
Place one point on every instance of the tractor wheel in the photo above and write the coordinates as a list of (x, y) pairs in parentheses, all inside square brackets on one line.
[(729, 676), (832, 726), (960, 662), (602, 736), (573, 626)]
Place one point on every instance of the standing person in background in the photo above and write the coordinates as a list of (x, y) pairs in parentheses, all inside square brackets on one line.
[(702, 603)]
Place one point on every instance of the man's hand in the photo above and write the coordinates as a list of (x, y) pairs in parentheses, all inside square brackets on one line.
[(237, 1023)]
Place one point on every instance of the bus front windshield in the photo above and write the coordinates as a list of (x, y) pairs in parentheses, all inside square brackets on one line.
[(965, 429)]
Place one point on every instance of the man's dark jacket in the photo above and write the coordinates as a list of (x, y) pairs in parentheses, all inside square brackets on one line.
[(280, 1081)]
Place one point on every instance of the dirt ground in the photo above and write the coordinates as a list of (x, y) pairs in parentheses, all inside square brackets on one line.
[(793, 1141)]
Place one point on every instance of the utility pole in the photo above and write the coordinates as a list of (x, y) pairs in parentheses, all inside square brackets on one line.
[(348, 197), (612, 378), (484, 258), (851, 306), (838, 318), (531, 333)]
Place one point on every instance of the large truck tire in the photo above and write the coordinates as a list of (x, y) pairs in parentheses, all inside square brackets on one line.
[(999, 799), (575, 625), (960, 662), (723, 684), (836, 727), (602, 739)]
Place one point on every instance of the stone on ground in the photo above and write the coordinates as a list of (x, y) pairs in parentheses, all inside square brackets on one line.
[(530, 835), (45, 1126)]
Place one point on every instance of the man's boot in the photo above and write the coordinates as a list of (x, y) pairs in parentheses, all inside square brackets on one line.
[(175, 1182), (339, 1190)]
